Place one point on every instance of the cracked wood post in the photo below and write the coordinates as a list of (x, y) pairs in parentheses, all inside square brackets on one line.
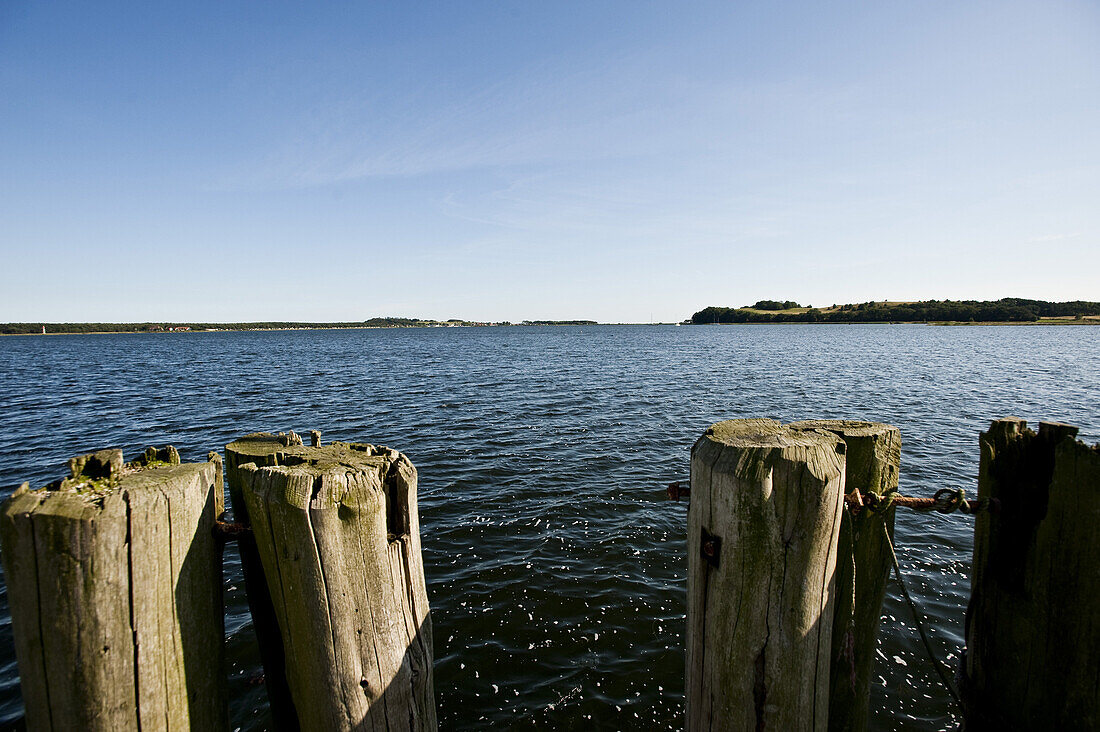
[(338, 535), (763, 522), (114, 583), (872, 461), (1032, 659), (262, 448)]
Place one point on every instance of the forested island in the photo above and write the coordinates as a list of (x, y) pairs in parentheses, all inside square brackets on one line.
[(945, 312), (170, 327), (1005, 310)]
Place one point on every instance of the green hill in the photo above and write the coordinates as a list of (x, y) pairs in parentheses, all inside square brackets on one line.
[(1006, 310)]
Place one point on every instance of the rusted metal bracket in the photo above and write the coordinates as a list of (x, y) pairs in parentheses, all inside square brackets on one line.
[(679, 488), (946, 500), (228, 531), (710, 547)]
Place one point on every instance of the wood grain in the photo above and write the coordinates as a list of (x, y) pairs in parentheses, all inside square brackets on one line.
[(338, 537), (1032, 658), (872, 461), (116, 604), (760, 622)]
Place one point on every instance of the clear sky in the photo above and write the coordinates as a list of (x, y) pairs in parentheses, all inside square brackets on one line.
[(619, 161)]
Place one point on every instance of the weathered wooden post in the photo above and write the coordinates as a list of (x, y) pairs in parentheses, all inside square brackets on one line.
[(765, 511), (338, 535), (262, 448), (114, 582), (1032, 659), (872, 460)]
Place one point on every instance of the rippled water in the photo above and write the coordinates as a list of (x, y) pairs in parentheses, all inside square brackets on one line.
[(555, 564)]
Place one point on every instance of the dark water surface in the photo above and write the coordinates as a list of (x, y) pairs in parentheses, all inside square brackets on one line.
[(555, 564)]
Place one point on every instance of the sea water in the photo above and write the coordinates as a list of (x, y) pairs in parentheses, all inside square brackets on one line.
[(555, 564)]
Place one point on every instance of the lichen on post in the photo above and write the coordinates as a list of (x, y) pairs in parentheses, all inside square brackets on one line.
[(765, 510), (872, 460), (337, 533), (114, 582)]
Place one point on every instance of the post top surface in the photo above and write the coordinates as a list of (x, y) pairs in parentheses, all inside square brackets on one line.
[(1058, 429), (350, 455), (259, 443), (766, 433), (1014, 427), (320, 464), (85, 490), (844, 427)]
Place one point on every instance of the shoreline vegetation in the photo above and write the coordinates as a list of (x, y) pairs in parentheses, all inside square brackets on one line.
[(1006, 311), (183, 327)]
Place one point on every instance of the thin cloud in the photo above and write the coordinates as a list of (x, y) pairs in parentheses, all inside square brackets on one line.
[(1053, 237)]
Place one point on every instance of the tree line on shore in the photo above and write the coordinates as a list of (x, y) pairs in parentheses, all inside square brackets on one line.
[(27, 328), (32, 328), (1005, 310)]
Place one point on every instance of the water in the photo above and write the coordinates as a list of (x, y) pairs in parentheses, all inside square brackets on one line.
[(555, 564)]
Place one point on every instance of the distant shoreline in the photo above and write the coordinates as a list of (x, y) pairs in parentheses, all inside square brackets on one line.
[(1007, 310), (934, 323), (28, 329), (204, 330), (1092, 321)]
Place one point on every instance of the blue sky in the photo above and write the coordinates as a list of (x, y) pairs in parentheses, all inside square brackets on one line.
[(620, 161)]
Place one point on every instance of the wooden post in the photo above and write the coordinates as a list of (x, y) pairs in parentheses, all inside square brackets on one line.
[(1032, 659), (338, 535), (262, 448), (763, 520), (872, 461), (114, 583)]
